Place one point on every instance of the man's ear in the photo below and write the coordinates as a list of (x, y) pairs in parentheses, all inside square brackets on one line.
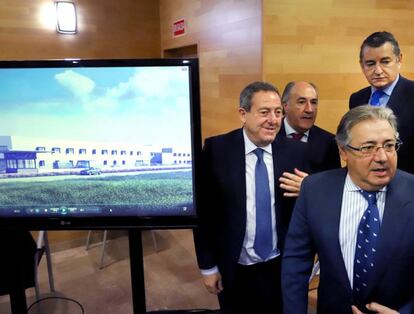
[(399, 60), (343, 153), (242, 115)]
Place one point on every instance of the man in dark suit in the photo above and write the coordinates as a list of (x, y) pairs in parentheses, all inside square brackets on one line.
[(359, 221), (300, 102), (230, 233), (380, 60)]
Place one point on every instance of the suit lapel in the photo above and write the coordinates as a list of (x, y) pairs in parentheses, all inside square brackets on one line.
[(312, 137), (282, 131), (392, 225), (279, 163), (330, 220), (236, 161), (395, 99), (365, 95)]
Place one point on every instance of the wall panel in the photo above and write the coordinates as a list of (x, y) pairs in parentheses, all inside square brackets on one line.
[(319, 40), (107, 29), (228, 37)]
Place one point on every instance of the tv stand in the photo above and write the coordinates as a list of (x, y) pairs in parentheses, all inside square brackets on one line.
[(18, 298), (137, 271), (18, 293)]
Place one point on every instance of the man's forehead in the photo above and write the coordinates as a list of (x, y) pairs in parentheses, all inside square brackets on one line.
[(268, 93), (360, 128), (306, 91)]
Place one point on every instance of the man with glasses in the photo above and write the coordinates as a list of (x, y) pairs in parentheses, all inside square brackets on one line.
[(380, 60), (359, 220)]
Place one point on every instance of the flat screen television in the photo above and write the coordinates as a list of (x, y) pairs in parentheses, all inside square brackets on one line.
[(99, 143)]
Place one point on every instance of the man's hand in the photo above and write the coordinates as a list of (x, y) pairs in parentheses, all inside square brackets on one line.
[(213, 283), (291, 182), (375, 307)]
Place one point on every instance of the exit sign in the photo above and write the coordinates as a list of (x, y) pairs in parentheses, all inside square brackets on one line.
[(178, 28)]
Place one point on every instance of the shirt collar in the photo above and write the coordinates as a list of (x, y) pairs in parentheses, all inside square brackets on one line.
[(249, 146), (389, 89), (289, 130), (350, 186)]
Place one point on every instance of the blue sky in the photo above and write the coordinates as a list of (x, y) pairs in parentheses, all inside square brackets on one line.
[(147, 105)]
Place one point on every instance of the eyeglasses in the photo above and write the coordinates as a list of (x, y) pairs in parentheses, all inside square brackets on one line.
[(370, 149)]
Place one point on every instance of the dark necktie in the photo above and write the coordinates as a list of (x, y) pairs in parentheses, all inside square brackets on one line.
[(263, 239), (375, 98), (368, 232), (297, 136)]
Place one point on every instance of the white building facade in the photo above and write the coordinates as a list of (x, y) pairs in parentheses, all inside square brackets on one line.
[(29, 154)]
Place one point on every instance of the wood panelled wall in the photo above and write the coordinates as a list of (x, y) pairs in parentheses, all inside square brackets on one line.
[(319, 40), (106, 29), (238, 41), (228, 38)]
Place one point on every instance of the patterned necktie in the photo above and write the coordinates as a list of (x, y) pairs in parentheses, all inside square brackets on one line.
[(297, 136), (263, 239), (368, 232), (375, 98)]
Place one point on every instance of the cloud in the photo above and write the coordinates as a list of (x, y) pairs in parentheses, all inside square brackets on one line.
[(79, 85), (156, 91)]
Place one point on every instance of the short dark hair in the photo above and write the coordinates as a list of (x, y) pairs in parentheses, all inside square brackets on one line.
[(247, 93), (288, 89), (377, 39)]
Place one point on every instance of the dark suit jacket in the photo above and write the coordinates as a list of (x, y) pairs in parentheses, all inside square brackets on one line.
[(402, 103), (314, 228), (323, 151), (222, 209)]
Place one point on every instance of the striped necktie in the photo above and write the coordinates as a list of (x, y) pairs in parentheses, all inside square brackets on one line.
[(368, 232)]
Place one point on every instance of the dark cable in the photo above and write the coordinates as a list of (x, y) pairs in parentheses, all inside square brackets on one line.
[(59, 298)]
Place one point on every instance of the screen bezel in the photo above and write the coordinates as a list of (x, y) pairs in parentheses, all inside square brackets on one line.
[(121, 222)]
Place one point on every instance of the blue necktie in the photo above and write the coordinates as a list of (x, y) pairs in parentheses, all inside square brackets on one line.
[(368, 232), (263, 239), (375, 98)]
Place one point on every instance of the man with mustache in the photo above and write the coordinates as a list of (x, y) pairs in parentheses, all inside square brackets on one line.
[(300, 102), (380, 59), (243, 213), (359, 220)]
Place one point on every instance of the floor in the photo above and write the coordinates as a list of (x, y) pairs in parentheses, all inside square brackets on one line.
[(172, 280)]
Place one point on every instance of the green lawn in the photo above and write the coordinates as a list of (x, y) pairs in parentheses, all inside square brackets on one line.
[(163, 190)]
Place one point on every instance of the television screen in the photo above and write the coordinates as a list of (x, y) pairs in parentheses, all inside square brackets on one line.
[(99, 143)]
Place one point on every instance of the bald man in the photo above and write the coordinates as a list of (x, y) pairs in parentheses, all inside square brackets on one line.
[(300, 103)]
